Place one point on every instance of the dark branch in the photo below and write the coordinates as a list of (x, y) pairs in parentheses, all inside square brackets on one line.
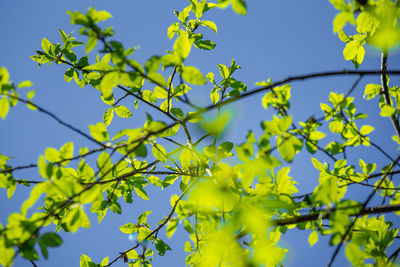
[(325, 215), (69, 126), (299, 78), (386, 96)]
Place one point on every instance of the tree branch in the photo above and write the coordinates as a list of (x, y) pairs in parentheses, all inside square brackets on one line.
[(322, 215), (69, 126), (61, 161), (299, 78), (385, 88)]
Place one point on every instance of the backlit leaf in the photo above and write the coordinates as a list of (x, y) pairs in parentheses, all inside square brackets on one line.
[(193, 75), (123, 112)]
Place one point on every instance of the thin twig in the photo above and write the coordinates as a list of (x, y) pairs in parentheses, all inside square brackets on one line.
[(298, 78), (59, 162), (353, 86), (169, 216), (324, 214), (52, 115), (363, 208)]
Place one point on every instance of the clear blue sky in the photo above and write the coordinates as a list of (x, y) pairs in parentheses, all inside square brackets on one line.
[(276, 39)]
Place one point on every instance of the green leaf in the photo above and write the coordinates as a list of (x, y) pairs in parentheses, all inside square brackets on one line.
[(152, 64), (350, 50), (387, 111), (85, 261), (336, 126), (36, 192), (104, 262), (193, 75), (51, 239), (52, 155), (182, 46), (216, 126), (209, 24), (109, 81), (224, 71), (99, 132), (214, 95), (210, 151), (64, 37), (161, 247), (288, 146), (371, 90), (355, 254), (199, 9), (91, 43), (366, 129), (128, 228), (101, 15), (143, 217), (77, 18), (313, 238), (99, 67), (123, 112), (157, 79), (239, 6), (171, 227), (4, 107), (25, 84), (45, 170), (30, 94), (46, 45), (341, 19), (318, 165), (132, 254), (343, 36), (160, 92), (185, 158), (149, 96), (116, 208), (205, 44), (177, 112), (67, 151), (108, 116), (141, 193), (172, 29), (160, 153), (171, 60)]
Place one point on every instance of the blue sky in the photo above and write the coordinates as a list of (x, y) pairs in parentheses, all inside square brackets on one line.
[(276, 39)]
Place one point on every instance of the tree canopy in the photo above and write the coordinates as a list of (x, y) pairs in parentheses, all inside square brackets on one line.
[(235, 198)]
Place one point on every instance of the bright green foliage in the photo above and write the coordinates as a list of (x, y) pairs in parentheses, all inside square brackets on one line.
[(375, 23), (234, 200)]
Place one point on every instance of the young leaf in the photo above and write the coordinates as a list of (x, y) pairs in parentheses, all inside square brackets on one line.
[(193, 75), (182, 46), (123, 112), (4, 107), (161, 247), (99, 132), (51, 239), (46, 45), (313, 238), (128, 228), (109, 81), (25, 84), (160, 153), (239, 6), (209, 24), (108, 116)]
